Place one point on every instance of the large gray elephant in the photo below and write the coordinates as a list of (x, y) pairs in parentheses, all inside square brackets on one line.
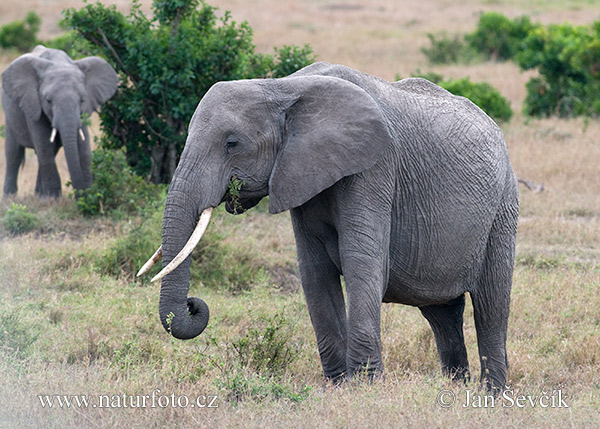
[(403, 188), (44, 95)]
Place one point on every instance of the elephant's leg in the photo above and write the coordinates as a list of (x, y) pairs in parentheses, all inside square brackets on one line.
[(364, 249), (365, 277), (325, 299), (491, 301), (15, 154), (446, 321), (48, 178)]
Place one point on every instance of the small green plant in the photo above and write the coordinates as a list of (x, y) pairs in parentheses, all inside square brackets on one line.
[(266, 349), (21, 35), (482, 94), (256, 364), (16, 335), (17, 220), (116, 188), (233, 195)]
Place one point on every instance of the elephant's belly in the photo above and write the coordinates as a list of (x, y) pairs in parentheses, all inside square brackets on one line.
[(405, 292), (434, 272)]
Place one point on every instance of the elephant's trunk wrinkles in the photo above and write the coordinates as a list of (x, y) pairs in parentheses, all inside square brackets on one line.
[(182, 316)]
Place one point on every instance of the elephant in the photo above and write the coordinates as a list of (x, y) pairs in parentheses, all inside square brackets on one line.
[(44, 95), (403, 189)]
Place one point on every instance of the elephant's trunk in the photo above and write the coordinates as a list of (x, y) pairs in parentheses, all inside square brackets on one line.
[(69, 128), (182, 317)]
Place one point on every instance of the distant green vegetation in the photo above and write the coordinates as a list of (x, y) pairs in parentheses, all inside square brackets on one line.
[(21, 35), (482, 94), (566, 56)]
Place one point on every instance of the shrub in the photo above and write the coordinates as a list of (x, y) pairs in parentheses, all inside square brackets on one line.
[(132, 248), (498, 37), (256, 364), (447, 50), (568, 61), (17, 220), (167, 63), (116, 188), (21, 35), (482, 94)]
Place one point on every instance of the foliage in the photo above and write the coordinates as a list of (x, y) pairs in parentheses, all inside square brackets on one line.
[(21, 35), (131, 248), (498, 37), (167, 62), (15, 334), (568, 60), (446, 50), (17, 220), (116, 188), (482, 94), (257, 362)]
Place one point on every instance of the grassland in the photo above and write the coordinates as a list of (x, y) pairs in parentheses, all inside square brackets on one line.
[(70, 324)]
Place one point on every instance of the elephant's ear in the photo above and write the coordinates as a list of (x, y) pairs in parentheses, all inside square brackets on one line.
[(332, 129), (101, 80), (20, 81)]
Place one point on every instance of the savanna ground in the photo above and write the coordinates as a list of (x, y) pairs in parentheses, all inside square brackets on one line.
[(72, 327)]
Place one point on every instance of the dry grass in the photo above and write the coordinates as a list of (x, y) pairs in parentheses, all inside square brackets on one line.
[(99, 335)]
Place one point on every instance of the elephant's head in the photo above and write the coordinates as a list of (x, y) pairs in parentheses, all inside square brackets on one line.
[(49, 86), (288, 138)]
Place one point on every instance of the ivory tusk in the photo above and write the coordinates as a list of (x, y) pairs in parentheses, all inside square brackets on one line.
[(189, 246), (150, 263), (81, 134), (53, 135)]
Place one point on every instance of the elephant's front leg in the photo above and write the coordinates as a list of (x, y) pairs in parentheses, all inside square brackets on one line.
[(364, 257), (324, 297)]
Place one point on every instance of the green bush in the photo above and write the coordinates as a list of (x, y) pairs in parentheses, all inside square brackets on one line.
[(21, 35), (447, 50), (568, 60), (133, 247), (167, 63), (482, 94), (256, 364), (17, 220), (498, 37), (116, 189)]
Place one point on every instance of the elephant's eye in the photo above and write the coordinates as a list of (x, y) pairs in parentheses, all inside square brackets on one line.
[(231, 144), (48, 101)]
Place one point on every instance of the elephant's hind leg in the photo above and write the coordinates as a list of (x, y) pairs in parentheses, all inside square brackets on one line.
[(446, 321), (491, 299)]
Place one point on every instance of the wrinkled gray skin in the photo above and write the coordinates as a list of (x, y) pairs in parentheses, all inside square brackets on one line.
[(46, 89), (404, 189)]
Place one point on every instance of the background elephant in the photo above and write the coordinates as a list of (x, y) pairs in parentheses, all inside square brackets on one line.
[(44, 94), (404, 189)]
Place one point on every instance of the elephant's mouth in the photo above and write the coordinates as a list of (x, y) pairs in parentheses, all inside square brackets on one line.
[(237, 205)]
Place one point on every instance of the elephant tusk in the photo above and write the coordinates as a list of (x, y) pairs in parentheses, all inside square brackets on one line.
[(81, 134), (53, 135), (189, 246), (150, 263)]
